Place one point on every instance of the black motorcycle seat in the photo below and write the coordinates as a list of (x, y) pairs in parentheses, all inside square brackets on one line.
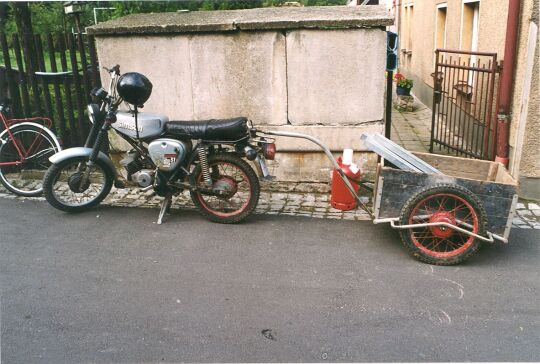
[(214, 129)]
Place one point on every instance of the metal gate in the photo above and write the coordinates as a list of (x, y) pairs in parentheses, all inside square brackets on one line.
[(464, 111)]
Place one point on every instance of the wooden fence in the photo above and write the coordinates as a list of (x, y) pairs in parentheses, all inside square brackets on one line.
[(29, 68)]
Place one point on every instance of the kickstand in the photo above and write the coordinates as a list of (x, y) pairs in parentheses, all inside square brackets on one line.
[(165, 207)]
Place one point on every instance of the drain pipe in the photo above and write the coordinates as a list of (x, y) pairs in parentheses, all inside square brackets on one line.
[(505, 92)]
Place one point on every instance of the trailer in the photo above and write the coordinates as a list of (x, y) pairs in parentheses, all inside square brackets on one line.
[(444, 207)]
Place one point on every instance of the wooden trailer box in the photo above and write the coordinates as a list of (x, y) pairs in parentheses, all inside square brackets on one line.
[(489, 181)]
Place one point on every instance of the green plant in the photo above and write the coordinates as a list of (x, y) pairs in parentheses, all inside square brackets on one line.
[(402, 81)]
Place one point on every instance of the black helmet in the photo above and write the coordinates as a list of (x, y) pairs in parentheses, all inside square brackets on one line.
[(134, 88)]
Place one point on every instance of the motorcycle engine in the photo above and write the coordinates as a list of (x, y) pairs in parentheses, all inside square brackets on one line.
[(144, 177), (136, 171), (167, 153)]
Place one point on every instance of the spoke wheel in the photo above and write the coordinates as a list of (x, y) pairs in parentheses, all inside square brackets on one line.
[(235, 190), (25, 178), (443, 245), (66, 188)]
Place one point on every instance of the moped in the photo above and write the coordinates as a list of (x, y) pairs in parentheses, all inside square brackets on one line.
[(206, 157)]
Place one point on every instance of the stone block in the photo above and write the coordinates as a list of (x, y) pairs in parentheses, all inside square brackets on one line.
[(164, 60), (336, 138), (241, 74), (404, 103), (315, 167), (336, 77), (207, 76)]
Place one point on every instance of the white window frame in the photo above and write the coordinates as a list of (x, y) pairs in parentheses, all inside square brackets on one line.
[(438, 7), (476, 25), (408, 24), (474, 35)]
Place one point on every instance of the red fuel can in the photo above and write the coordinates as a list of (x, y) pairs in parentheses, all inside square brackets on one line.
[(341, 198)]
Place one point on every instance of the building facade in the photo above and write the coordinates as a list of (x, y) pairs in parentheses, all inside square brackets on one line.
[(479, 26)]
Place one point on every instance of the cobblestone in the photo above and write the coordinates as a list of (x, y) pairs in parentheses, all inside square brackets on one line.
[(527, 215), (271, 203), (278, 203)]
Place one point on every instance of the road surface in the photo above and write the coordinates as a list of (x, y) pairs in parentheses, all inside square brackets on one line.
[(110, 285)]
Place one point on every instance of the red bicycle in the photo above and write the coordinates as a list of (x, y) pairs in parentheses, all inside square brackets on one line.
[(25, 148)]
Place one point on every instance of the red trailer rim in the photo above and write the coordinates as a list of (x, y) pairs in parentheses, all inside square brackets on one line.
[(440, 241)]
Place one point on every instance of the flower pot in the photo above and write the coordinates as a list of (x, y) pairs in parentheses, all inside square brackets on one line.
[(403, 91)]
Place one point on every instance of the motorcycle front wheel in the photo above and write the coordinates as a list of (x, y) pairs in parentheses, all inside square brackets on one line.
[(237, 183), (65, 189)]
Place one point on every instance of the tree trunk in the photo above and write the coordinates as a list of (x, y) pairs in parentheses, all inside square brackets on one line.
[(23, 19), (3, 16)]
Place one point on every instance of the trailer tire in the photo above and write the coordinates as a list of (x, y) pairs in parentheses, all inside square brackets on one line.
[(441, 245)]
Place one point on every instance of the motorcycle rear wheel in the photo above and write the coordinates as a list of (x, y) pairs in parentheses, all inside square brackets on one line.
[(240, 181), (62, 184)]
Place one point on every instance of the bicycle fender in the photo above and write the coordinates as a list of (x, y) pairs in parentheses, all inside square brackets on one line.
[(4, 135), (82, 152)]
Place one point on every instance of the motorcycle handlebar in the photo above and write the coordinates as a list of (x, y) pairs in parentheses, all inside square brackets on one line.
[(114, 69)]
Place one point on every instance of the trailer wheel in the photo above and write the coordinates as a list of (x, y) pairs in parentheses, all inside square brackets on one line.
[(442, 245)]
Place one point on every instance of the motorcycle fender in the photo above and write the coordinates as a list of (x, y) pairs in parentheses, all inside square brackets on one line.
[(82, 152)]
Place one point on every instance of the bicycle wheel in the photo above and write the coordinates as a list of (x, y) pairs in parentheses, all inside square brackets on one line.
[(23, 175)]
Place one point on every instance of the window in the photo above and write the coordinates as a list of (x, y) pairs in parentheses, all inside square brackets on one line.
[(407, 24), (410, 20), (469, 32), (469, 25), (440, 26)]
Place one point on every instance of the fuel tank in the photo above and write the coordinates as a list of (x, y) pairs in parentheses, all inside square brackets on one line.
[(150, 125)]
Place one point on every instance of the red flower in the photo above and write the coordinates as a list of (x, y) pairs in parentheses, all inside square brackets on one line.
[(398, 77)]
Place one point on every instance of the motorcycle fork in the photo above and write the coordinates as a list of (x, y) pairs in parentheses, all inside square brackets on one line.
[(101, 134)]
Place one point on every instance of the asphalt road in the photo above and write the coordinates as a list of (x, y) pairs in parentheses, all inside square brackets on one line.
[(109, 285)]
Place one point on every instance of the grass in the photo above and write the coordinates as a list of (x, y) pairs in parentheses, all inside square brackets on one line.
[(47, 61)]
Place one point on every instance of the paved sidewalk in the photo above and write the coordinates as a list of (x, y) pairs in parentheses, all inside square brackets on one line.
[(527, 215), (412, 130), (316, 205)]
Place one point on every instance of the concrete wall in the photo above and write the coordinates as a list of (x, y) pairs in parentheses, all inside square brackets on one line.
[(325, 82)]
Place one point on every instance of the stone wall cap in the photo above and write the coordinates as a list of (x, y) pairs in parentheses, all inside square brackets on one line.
[(312, 17)]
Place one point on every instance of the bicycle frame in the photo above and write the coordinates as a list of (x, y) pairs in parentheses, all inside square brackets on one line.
[(23, 153)]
